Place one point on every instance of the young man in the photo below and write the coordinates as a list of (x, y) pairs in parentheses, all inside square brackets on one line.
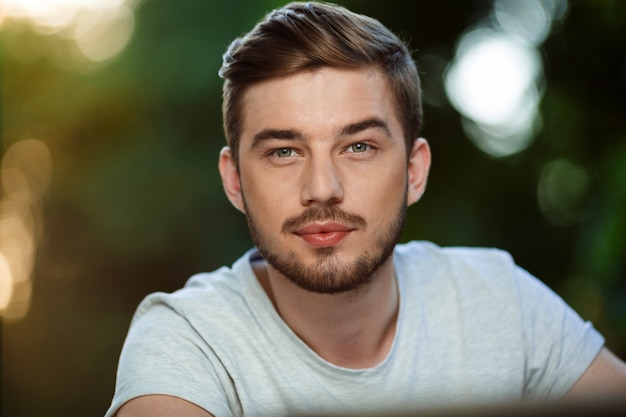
[(327, 313)]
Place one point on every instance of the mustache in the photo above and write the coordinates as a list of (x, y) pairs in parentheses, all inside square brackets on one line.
[(323, 214)]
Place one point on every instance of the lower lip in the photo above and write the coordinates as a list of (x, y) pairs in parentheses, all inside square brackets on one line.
[(322, 240)]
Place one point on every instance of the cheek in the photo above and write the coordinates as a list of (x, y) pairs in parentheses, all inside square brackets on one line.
[(383, 185), (263, 193), (378, 197)]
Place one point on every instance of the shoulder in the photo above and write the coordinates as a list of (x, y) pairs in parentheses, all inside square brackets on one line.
[(469, 280), (186, 320), (456, 263), (205, 294), (478, 256), (481, 283), (181, 344)]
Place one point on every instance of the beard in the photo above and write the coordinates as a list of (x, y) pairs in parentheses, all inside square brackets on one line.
[(329, 274)]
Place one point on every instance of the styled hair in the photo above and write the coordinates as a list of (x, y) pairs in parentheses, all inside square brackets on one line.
[(306, 36)]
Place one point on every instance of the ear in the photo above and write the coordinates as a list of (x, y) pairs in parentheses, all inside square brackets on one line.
[(230, 179), (418, 167)]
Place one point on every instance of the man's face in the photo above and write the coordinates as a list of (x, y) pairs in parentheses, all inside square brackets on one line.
[(323, 175)]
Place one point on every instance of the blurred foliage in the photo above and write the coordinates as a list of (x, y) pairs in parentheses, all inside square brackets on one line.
[(136, 204)]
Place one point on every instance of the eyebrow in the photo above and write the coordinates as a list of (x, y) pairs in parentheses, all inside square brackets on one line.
[(348, 130), (268, 134), (371, 123)]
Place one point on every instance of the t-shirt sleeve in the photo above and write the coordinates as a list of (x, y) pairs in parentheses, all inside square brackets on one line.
[(559, 344), (163, 354)]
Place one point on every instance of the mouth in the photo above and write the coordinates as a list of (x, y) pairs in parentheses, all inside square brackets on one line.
[(323, 235)]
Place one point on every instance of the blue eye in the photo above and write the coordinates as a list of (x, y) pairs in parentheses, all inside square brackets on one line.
[(284, 152), (359, 147)]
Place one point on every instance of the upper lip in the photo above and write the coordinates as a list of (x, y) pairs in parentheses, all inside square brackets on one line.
[(329, 227)]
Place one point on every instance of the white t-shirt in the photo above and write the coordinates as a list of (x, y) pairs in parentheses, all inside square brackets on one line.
[(472, 328)]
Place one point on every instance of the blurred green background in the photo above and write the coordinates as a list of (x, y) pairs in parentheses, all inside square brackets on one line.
[(111, 126)]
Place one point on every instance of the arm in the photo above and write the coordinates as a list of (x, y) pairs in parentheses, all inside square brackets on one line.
[(606, 376), (161, 406)]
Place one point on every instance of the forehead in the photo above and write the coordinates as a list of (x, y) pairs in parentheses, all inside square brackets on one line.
[(319, 101)]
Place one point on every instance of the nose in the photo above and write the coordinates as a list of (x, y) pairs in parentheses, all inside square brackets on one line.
[(321, 183)]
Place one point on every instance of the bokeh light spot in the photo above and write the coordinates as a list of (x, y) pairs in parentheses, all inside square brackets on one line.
[(528, 20), (28, 160), (26, 171), (562, 192), (6, 283), (92, 31), (493, 84), (490, 81), (495, 80), (102, 34)]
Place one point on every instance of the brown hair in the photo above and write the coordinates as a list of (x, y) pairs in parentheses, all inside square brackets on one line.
[(301, 36)]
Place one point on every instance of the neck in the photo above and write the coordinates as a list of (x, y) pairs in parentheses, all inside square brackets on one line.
[(353, 329)]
